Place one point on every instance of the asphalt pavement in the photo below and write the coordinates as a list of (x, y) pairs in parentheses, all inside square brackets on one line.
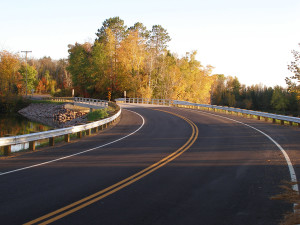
[(166, 166)]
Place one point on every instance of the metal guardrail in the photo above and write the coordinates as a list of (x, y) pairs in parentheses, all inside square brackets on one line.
[(91, 102), (31, 138), (87, 102), (177, 103), (147, 101)]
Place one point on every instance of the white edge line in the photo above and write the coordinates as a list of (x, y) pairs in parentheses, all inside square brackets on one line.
[(79, 153), (286, 156)]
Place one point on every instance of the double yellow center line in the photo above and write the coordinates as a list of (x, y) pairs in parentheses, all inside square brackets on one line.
[(62, 212)]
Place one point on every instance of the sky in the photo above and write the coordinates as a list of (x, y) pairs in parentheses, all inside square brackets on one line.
[(251, 40)]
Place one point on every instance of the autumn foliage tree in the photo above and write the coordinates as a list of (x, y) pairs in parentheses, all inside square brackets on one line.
[(9, 73), (136, 60)]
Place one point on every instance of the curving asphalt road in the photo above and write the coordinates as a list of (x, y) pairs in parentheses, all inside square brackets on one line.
[(158, 165)]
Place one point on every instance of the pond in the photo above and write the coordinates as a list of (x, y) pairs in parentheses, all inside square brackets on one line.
[(15, 124)]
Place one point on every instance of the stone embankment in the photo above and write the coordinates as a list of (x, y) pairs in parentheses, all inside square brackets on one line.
[(57, 116)]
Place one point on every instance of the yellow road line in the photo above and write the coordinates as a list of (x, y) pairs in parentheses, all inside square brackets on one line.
[(120, 185)]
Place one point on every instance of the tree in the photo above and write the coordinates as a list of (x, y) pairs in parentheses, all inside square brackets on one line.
[(293, 82), (101, 65), (116, 26), (138, 61), (159, 38), (218, 87), (80, 61), (279, 100), (112, 32), (31, 77), (141, 30), (131, 56), (9, 72)]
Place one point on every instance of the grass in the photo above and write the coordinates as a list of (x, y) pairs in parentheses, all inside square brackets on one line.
[(291, 196), (97, 114), (47, 102)]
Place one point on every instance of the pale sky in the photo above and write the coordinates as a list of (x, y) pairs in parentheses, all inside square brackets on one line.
[(251, 40)]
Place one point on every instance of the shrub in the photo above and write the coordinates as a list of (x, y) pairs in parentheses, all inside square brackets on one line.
[(97, 114)]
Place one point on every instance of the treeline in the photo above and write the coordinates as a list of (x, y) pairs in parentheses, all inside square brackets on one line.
[(228, 91), (136, 60), (39, 75)]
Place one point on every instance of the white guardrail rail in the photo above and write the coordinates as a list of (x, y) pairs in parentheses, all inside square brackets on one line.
[(87, 102), (7, 142), (225, 109)]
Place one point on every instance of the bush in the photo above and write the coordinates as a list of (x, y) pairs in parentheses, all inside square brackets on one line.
[(97, 114)]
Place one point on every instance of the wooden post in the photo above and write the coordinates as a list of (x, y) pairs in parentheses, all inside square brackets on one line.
[(88, 132), (7, 150), (291, 123), (273, 120), (51, 141), (32, 145), (258, 117), (79, 134), (266, 119), (67, 137), (96, 130), (281, 122)]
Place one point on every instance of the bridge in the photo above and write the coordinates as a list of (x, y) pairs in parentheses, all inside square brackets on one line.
[(163, 162)]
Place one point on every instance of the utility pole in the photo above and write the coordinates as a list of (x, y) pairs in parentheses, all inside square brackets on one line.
[(26, 66)]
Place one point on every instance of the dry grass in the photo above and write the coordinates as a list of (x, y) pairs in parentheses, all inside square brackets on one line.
[(291, 196)]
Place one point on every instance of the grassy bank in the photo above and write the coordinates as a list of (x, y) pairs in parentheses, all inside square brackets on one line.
[(97, 114)]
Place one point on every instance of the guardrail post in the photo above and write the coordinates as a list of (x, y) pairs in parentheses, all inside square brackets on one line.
[(291, 123), (51, 141), (96, 130), (79, 134), (281, 122), (88, 132), (266, 119), (7, 150), (32, 145), (258, 117), (67, 137), (273, 120), (299, 125)]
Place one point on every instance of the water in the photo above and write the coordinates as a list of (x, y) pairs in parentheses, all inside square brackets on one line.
[(15, 124)]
